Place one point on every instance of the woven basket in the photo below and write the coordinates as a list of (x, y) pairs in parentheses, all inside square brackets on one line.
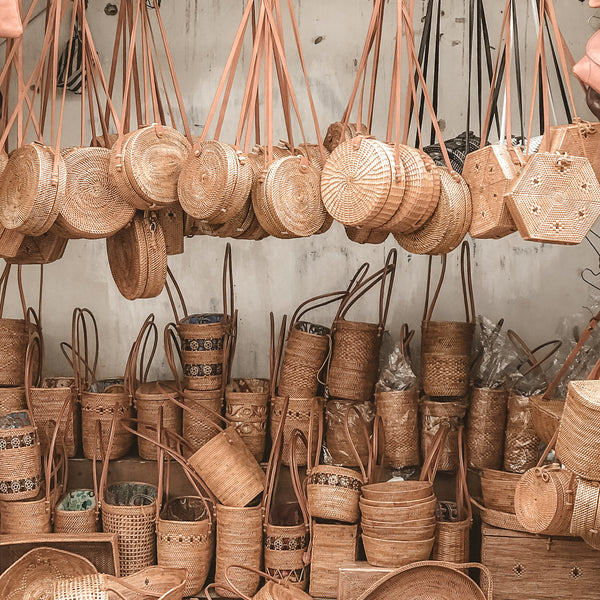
[(306, 351), (485, 427), (336, 439), (239, 542), (288, 202), (389, 513), (544, 497), (521, 443), (332, 546), (555, 198), (303, 414), (99, 403), (395, 554), (36, 572), (446, 345), (354, 365), (577, 444), (395, 491), (39, 250), (29, 198), (430, 579), (198, 427), (137, 256), (448, 225), (14, 336), (77, 512), (584, 522), (498, 488), (546, 416), (171, 221), (146, 164), (152, 583), (435, 415), (421, 194), (333, 492), (399, 415), (337, 133), (215, 182), (247, 407), (92, 207), (10, 242)]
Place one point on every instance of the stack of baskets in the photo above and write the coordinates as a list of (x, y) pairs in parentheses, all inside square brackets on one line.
[(398, 522)]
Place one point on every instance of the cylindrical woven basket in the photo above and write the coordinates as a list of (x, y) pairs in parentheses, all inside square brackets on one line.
[(394, 554), (437, 414), (303, 414), (198, 427), (33, 515), (399, 415), (585, 521), (12, 399), (247, 408), (20, 458), (239, 542), (336, 440), (149, 400), (498, 489), (77, 512), (521, 443), (99, 403), (485, 427), (578, 445)]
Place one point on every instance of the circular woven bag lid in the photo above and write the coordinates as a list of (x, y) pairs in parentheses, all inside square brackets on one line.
[(356, 181), (449, 223), (241, 191), (293, 195), (118, 174), (364, 235), (313, 154), (32, 576), (29, 201), (424, 581), (128, 259), (153, 158), (92, 207), (421, 194), (3, 161), (239, 223), (207, 180), (336, 134)]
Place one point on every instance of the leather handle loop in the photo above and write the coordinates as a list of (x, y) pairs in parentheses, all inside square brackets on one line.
[(364, 472), (295, 437), (179, 295), (308, 306), (170, 340), (548, 448), (276, 352), (431, 461)]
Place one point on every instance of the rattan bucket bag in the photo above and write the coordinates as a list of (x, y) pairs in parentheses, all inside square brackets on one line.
[(399, 411), (129, 510), (354, 360), (446, 345), (585, 520), (100, 399), (14, 334), (333, 492), (556, 197)]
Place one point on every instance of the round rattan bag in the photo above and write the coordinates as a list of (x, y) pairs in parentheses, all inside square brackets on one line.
[(92, 207), (137, 256), (146, 165), (287, 198), (215, 182), (450, 222), (30, 196)]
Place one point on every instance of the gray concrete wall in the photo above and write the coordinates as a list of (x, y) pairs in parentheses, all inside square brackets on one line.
[(533, 286)]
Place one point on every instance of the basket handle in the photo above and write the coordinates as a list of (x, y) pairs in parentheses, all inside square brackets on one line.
[(431, 461), (467, 285), (141, 342), (97, 444), (276, 352), (170, 339), (547, 449), (406, 337), (4, 284), (296, 484), (228, 283), (179, 294), (35, 340), (463, 498), (365, 473), (222, 586), (306, 305), (79, 333), (585, 334), (111, 438), (377, 447), (252, 570), (535, 363)]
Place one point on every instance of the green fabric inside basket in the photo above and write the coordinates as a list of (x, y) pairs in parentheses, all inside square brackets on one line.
[(77, 500), (131, 494)]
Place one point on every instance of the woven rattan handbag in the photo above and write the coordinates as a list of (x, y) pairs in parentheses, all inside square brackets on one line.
[(446, 345), (354, 361), (556, 197), (452, 534), (129, 510), (137, 256), (100, 399), (286, 526), (544, 497), (14, 334), (585, 521), (333, 492)]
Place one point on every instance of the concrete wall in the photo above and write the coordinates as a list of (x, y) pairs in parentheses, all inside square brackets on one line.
[(533, 286)]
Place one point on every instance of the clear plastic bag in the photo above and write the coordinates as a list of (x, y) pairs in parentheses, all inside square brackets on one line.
[(397, 373)]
